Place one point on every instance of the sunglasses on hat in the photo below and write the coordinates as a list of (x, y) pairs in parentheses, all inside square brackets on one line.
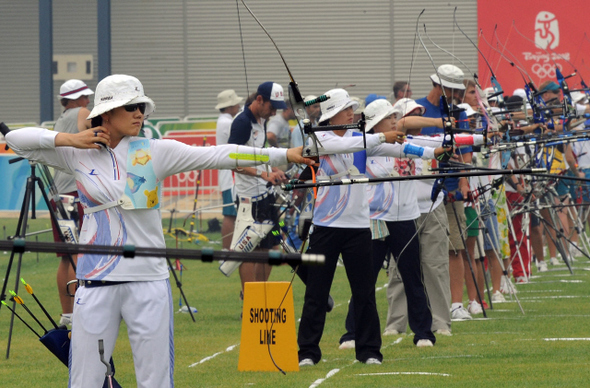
[(133, 107)]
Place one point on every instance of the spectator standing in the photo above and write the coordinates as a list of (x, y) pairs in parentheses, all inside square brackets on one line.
[(228, 104), (73, 96)]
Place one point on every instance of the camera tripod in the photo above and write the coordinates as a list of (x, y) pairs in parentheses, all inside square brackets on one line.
[(28, 205)]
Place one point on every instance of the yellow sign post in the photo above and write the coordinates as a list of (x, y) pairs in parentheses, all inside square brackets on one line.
[(268, 327)]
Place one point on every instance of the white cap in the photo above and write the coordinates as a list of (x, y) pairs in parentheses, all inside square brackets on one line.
[(405, 106), (468, 109), (519, 92), (579, 98), (74, 89), (377, 111), (227, 98), (118, 90), (450, 76), (338, 101), (487, 92)]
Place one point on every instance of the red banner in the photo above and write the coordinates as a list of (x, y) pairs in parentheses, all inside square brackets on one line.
[(185, 183), (554, 33)]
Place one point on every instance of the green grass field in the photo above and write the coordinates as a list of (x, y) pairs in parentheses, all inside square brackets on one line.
[(508, 349)]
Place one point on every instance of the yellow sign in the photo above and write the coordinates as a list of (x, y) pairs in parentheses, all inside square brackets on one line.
[(268, 327)]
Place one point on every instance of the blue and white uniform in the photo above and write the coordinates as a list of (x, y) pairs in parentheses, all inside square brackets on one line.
[(341, 227), (141, 292)]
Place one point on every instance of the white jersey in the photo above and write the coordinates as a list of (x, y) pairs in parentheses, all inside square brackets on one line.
[(424, 187), (280, 127), (225, 178), (477, 183), (392, 201), (252, 134), (347, 206), (68, 123), (582, 151), (101, 177)]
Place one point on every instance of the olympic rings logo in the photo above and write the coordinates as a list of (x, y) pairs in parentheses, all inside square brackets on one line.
[(545, 70), (188, 177)]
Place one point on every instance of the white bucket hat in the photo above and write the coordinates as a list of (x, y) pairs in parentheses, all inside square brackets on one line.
[(469, 111), (74, 89), (488, 92), (119, 90), (227, 98), (338, 101), (377, 111), (450, 76), (405, 106), (519, 92), (578, 98)]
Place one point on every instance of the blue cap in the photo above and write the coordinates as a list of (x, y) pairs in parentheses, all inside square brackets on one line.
[(372, 97), (551, 86), (273, 92)]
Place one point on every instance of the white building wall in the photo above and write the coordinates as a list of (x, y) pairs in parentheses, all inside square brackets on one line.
[(185, 52)]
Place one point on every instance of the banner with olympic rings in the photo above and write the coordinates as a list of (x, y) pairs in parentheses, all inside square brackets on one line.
[(554, 34)]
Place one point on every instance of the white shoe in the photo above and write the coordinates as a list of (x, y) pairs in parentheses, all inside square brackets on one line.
[(306, 362), (65, 320), (460, 313), (497, 297), (506, 286), (424, 343), (347, 345), (554, 261), (372, 361), (444, 332), (391, 332), (542, 266), (521, 280), (474, 308)]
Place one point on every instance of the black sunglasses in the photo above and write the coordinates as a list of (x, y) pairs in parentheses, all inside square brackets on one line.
[(133, 107)]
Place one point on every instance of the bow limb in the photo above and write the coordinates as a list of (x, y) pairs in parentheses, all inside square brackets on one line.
[(294, 94), (529, 87), (568, 110), (491, 121), (445, 114)]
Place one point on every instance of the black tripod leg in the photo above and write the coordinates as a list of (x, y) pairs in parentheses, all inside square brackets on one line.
[(20, 232), (179, 285)]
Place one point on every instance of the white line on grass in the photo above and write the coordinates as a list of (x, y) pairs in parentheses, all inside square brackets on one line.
[(319, 381), (566, 339), (229, 349), (437, 357), (543, 282), (551, 297), (397, 341), (404, 373)]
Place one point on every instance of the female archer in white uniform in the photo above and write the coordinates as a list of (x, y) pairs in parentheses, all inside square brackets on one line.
[(119, 176)]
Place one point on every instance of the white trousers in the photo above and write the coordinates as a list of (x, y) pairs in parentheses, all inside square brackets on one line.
[(146, 308)]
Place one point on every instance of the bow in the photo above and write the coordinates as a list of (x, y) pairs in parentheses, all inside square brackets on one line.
[(568, 109), (492, 122), (445, 111), (308, 135)]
